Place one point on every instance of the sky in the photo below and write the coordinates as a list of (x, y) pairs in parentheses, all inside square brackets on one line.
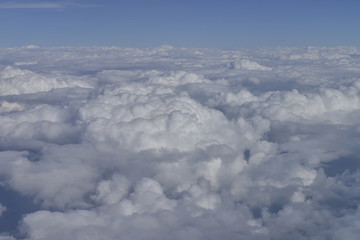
[(226, 24)]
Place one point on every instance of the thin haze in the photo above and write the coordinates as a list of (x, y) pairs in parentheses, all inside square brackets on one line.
[(146, 23)]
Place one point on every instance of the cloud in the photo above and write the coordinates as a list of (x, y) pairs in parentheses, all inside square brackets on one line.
[(2, 209), (41, 5), (117, 143)]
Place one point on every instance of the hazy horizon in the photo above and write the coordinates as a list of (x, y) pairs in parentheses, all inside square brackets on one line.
[(228, 24)]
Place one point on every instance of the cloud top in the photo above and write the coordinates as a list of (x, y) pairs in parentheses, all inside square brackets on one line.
[(117, 143)]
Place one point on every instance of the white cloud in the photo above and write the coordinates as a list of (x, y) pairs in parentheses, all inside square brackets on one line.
[(30, 5), (41, 5), (117, 143)]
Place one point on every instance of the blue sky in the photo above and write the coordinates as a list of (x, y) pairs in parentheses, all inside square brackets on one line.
[(226, 24)]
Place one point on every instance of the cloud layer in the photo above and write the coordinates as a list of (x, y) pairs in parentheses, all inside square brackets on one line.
[(41, 5), (115, 143)]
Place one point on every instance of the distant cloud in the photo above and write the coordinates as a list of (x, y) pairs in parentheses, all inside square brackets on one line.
[(2, 209), (37, 5)]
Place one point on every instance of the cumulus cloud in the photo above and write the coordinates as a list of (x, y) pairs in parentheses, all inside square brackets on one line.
[(247, 64), (187, 143)]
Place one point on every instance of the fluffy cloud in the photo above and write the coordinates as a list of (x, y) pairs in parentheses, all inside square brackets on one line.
[(20, 81), (149, 143)]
